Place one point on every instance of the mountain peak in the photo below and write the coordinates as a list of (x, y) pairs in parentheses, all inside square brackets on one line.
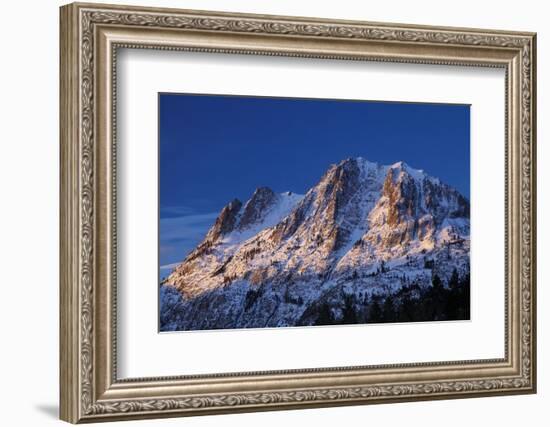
[(388, 208), (226, 221), (360, 162), (262, 191), (364, 228), (399, 165), (366, 165), (404, 167), (256, 208)]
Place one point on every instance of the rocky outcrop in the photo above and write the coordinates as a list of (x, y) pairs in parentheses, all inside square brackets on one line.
[(412, 207), (257, 207), (226, 221)]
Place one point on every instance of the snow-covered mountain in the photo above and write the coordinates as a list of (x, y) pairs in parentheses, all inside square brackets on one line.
[(365, 233)]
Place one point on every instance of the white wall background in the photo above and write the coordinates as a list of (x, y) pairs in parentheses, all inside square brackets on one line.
[(29, 170)]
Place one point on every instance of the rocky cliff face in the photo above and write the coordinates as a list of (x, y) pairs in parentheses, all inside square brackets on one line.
[(364, 231), (226, 221)]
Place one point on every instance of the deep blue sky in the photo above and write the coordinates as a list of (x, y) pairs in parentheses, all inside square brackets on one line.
[(216, 148)]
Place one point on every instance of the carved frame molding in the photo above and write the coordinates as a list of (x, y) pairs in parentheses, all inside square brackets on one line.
[(90, 36)]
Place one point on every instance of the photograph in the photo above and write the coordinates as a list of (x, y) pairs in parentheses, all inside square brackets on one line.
[(280, 212)]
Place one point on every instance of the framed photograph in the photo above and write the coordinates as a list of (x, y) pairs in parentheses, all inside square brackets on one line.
[(356, 241), (266, 212)]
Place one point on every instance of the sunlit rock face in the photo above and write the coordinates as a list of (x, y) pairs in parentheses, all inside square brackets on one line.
[(226, 221), (257, 207), (364, 231), (412, 207)]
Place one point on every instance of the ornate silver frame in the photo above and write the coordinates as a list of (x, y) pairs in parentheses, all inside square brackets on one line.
[(90, 36)]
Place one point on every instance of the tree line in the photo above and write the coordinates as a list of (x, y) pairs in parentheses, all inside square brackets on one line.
[(412, 303)]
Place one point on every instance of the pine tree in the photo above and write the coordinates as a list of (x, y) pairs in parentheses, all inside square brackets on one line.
[(438, 299), (406, 309), (325, 316), (388, 310), (454, 280), (436, 282), (349, 313), (375, 312)]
